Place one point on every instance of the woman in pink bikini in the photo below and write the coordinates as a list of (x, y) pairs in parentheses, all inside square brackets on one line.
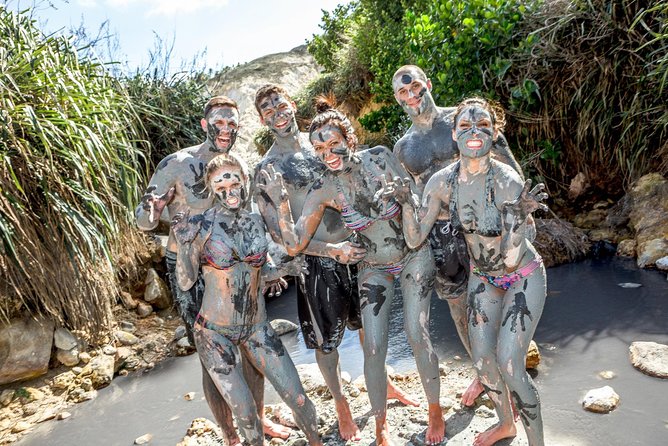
[(490, 205)]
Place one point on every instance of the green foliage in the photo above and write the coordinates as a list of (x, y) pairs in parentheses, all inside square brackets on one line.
[(335, 26), (465, 44), (68, 177)]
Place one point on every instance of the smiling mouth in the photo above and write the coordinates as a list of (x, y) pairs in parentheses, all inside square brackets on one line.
[(232, 201), (225, 140), (282, 125), (474, 144), (334, 163), (414, 103)]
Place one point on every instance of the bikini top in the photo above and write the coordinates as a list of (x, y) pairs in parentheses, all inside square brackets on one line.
[(218, 253), (356, 221), (490, 223)]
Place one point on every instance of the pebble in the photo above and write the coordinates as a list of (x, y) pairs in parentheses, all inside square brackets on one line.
[(6, 396), (601, 400), (128, 326), (159, 321), (126, 338), (85, 357), (64, 339), (144, 309), (457, 358), (21, 426), (189, 396), (607, 374), (629, 285), (76, 370), (143, 439), (63, 415), (183, 343), (180, 332)]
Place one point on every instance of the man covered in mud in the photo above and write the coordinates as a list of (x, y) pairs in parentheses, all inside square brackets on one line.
[(327, 296), (178, 184), (426, 148)]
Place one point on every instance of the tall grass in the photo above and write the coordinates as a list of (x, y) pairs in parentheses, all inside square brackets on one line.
[(68, 178)]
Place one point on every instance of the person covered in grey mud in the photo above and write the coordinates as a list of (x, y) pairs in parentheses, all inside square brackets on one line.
[(426, 148), (229, 244), (327, 297), (490, 204), (349, 186), (177, 185)]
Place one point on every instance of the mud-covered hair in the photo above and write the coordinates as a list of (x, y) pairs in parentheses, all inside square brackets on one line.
[(327, 114), (495, 111), (266, 91), (228, 160), (219, 101)]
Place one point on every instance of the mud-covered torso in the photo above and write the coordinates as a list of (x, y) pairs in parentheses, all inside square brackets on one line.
[(382, 236), (231, 259), (301, 171)]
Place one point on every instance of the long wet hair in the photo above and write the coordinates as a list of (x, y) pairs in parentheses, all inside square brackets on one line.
[(228, 160), (327, 114), (495, 111)]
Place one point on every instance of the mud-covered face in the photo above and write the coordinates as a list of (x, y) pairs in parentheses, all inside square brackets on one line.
[(474, 132), (222, 125), (412, 92), (278, 113), (227, 184), (330, 146)]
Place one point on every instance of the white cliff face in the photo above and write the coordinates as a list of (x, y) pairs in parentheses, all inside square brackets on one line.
[(292, 70)]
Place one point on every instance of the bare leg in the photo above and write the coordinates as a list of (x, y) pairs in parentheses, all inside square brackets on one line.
[(417, 280), (394, 392), (331, 372)]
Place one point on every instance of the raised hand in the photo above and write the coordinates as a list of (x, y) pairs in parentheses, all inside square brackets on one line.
[(348, 252), (184, 228), (275, 287), (272, 185), (399, 189), (528, 202), (154, 204)]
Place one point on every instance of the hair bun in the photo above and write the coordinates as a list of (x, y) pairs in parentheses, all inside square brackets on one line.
[(324, 102)]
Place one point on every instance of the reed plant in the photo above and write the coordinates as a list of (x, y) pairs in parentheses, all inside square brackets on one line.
[(71, 145)]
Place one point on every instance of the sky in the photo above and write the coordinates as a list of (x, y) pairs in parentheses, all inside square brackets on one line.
[(230, 31)]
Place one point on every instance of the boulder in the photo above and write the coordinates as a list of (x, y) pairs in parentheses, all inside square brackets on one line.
[(311, 378), (559, 242), (601, 400), (282, 326), (70, 358), (626, 248), (649, 218), (650, 358), (157, 293), (25, 349), (662, 263), (100, 370), (64, 339), (202, 432)]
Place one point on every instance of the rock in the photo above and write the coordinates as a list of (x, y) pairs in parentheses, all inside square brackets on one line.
[(282, 326), (64, 339), (662, 263), (485, 412), (157, 293), (360, 383), (121, 357), (626, 248), (650, 358), (21, 426), (144, 309), (127, 326), (125, 338), (345, 377), (100, 370), (6, 397), (28, 394), (69, 358), (129, 302), (649, 218), (184, 343), (578, 185), (64, 380), (281, 413), (593, 219), (109, 350), (143, 439), (603, 234), (607, 374), (84, 357), (533, 356), (601, 400), (559, 242), (79, 395), (25, 349), (77, 370), (311, 378), (63, 415), (180, 332), (202, 432), (189, 396), (629, 285)]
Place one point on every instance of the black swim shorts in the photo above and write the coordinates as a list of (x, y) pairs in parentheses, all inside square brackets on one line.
[(452, 260)]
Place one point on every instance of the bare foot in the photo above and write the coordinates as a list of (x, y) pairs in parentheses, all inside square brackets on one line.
[(491, 436), (347, 427), (234, 441), (436, 427), (275, 430), (473, 392), (394, 392), (382, 433)]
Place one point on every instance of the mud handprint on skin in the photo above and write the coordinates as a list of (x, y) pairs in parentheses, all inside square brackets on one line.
[(348, 252), (474, 311), (185, 229), (518, 310), (198, 188), (528, 202), (487, 261)]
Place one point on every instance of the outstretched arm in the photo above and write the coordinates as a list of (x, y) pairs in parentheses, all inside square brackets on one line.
[(190, 239), (516, 214), (158, 194)]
